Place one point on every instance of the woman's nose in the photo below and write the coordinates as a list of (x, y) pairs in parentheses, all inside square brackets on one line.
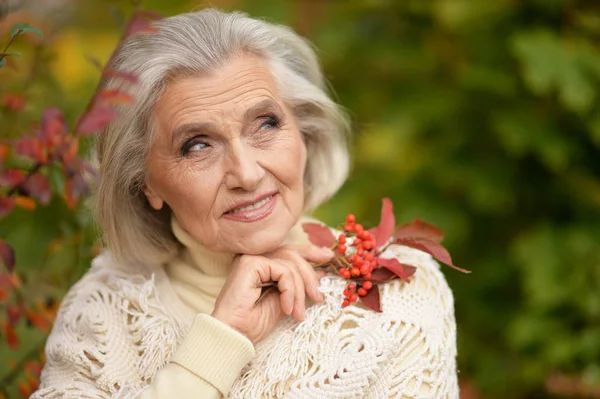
[(243, 169)]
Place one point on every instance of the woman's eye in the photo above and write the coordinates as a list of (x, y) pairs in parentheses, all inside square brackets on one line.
[(193, 146), (270, 123)]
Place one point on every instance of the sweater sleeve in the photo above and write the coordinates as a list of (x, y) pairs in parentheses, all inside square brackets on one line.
[(94, 351), (206, 364)]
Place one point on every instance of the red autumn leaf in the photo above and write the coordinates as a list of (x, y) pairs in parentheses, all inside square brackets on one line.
[(53, 127), (25, 202), (419, 228), (126, 76), (432, 248), (7, 255), (10, 335), (13, 314), (13, 102), (34, 368), (114, 96), (6, 205), (141, 22), (96, 119), (372, 300), (400, 270), (318, 234), (386, 226), (31, 148), (38, 187), (381, 275), (12, 178)]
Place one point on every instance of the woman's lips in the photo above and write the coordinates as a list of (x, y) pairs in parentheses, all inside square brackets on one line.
[(253, 212)]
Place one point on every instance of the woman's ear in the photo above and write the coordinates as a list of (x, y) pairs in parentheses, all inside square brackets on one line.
[(154, 199)]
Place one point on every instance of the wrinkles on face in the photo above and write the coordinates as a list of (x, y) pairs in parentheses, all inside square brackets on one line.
[(223, 138)]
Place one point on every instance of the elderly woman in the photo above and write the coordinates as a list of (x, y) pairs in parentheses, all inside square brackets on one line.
[(205, 180)]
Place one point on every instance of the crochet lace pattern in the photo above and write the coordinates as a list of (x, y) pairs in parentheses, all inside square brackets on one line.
[(115, 330)]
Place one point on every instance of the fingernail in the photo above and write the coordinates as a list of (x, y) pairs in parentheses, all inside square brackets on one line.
[(316, 293), (327, 252)]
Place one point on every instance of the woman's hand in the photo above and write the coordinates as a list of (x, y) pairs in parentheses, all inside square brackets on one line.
[(290, 267)]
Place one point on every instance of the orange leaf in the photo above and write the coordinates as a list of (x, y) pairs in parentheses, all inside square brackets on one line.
[(25, 202), (419, 229), (3, 152), (318, 234), (115, 96), (37, 320), (24, 389), (10, 335)]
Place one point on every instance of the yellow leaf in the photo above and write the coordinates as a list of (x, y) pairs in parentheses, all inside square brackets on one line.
[(25, 202)]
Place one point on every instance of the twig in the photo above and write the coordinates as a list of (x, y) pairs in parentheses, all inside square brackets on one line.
[(318, 266)]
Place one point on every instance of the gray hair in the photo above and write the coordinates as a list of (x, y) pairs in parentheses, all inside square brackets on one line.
[(187, 44)]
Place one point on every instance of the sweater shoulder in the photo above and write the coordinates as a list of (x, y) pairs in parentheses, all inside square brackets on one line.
[(107, 327)]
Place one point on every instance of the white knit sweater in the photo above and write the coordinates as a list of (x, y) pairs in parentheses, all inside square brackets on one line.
[(145, 332)]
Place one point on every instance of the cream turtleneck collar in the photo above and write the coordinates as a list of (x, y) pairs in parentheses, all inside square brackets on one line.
[(198, 274)]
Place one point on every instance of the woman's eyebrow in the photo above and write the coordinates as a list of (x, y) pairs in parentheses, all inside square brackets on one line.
[(185, 129), (267, 105)]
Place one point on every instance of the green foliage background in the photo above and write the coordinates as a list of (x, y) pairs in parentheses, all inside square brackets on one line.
[(479, 116)]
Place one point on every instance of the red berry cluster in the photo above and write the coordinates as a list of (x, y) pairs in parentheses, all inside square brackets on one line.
[(359, 259)]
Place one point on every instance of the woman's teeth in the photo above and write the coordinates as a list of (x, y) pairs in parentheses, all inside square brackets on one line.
[(252, 206)]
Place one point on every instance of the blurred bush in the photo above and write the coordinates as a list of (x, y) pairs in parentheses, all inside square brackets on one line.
[(479, 116)]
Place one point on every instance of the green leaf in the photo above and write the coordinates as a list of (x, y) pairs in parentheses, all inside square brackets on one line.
[(23, 27), (2, 62), (13, 54)]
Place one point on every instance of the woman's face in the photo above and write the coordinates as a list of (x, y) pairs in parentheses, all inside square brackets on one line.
[(228, 158)]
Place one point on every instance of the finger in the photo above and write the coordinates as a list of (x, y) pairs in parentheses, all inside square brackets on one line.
[(274, 270), (312, 253), (299, 291), (309, 276)]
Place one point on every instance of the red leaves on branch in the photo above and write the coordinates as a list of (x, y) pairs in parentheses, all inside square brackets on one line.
[(140, 22), (432, 248), (319, 234), (372, 300), (7, 256), (384, 231), (38, 187), (400, 270), (54, 130), (6, 205), (12, 177), (114, 96), (419, 229), (32, 148), (96, 119), (358, 252), (10, 335)]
